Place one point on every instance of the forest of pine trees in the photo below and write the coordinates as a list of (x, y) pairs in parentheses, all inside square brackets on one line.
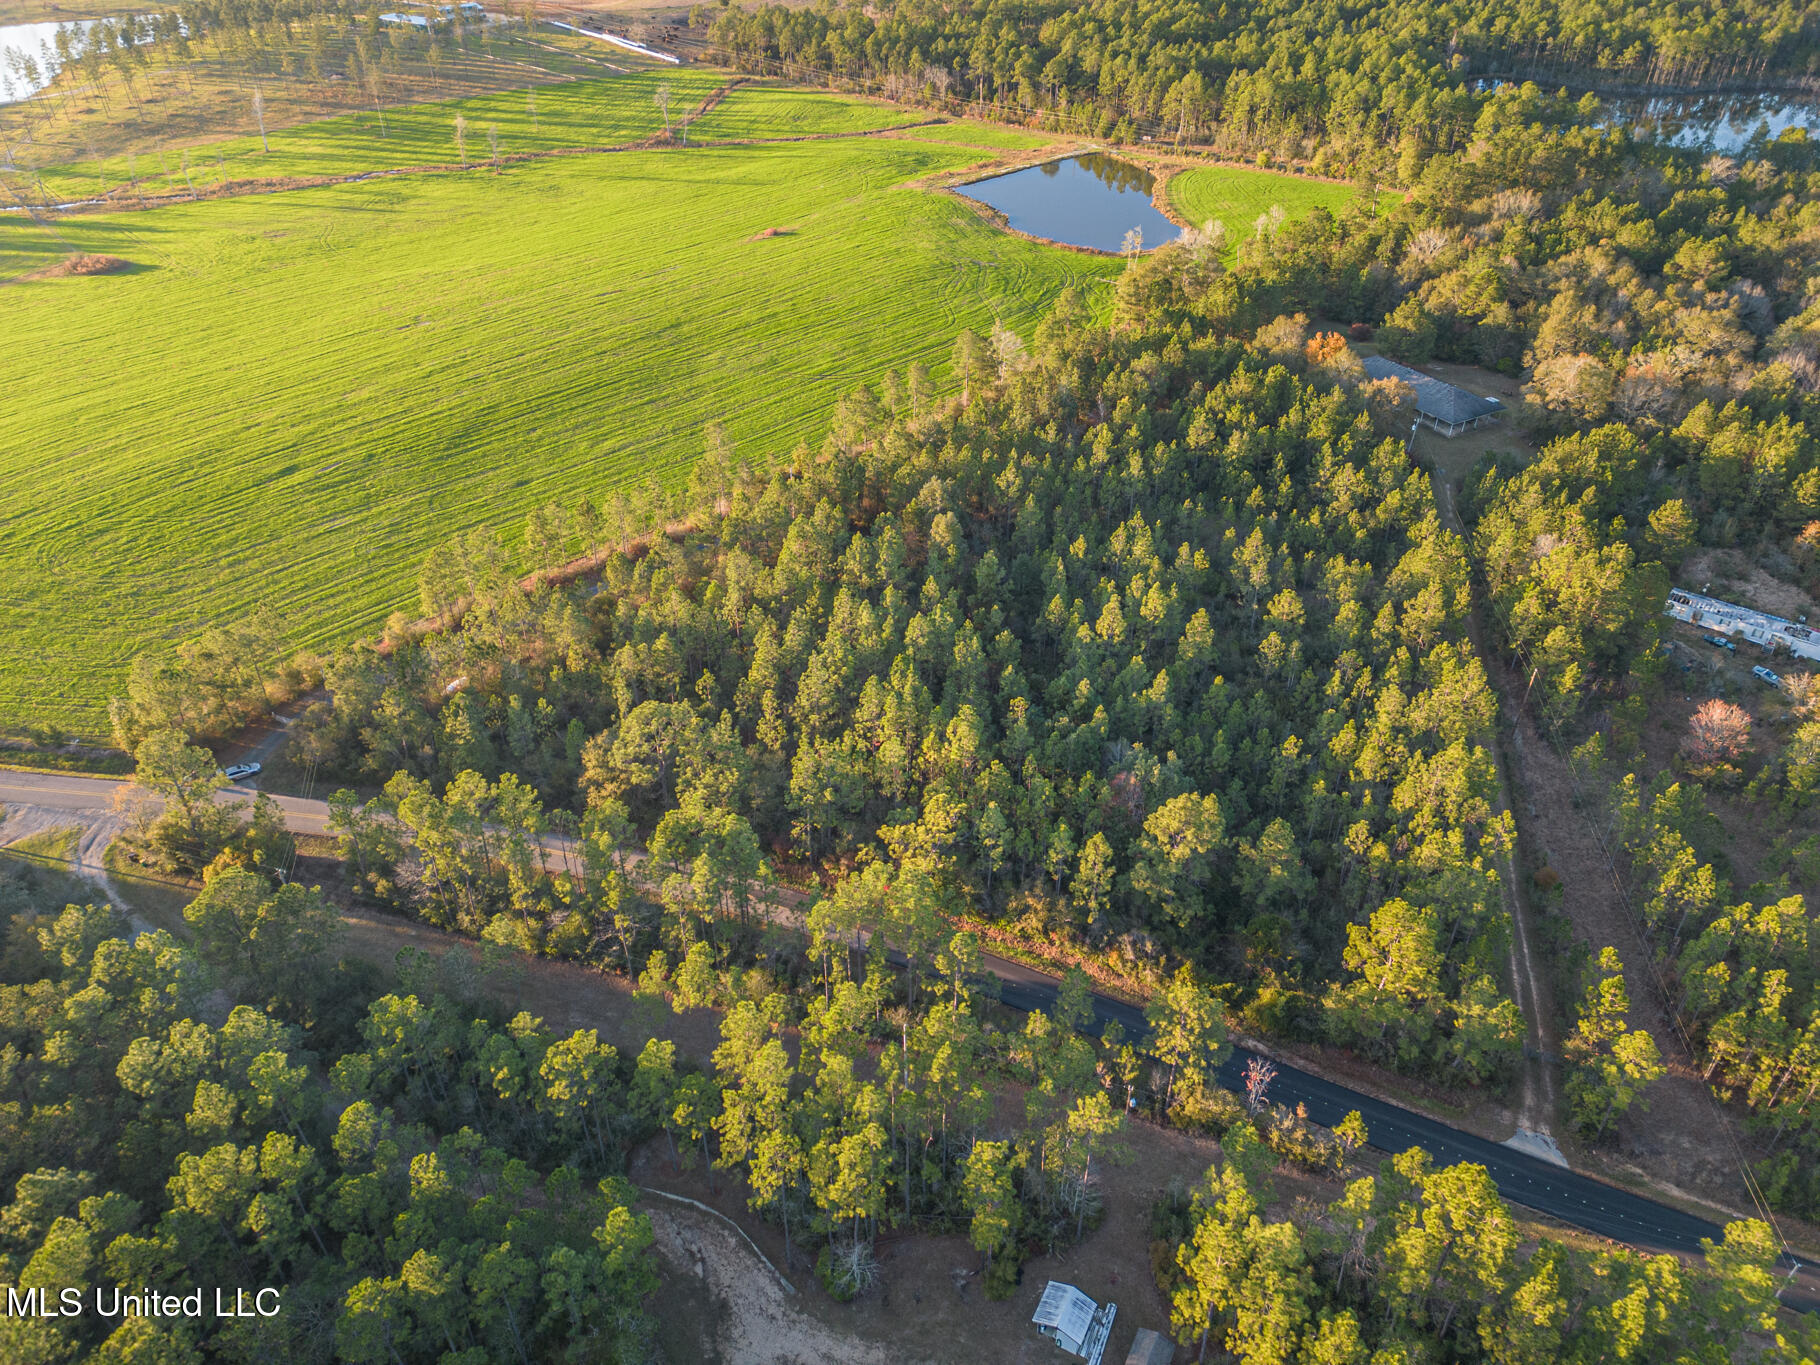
[(1275, 74), (1155, 649)]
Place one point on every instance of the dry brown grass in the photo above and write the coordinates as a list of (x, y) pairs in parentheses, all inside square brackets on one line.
[(83, 264), (190, 104), (1735, 578)]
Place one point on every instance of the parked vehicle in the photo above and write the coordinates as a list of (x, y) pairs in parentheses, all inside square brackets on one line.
[(1763, 674), (239, 772), (1720, 642)]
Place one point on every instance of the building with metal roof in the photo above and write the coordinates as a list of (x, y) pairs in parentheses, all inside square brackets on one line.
[(1760, 628), (1151, 1348), (1075, 1322), (1448, 408)]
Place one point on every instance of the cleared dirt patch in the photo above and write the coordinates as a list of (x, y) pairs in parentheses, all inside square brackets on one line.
[(929, 1305), (751, 1317), (1735, 579), (85, 263)]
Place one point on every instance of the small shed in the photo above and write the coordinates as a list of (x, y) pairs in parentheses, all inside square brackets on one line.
[(1150, 1348), (1448, 408), (1075, 1322)]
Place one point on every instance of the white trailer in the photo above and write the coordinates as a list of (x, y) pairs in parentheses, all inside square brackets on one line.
[(1729, 619)]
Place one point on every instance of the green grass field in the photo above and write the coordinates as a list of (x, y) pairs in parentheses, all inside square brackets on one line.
[(1236, 196), (975, 134), (761, 111), (598, 112), (293, 396)]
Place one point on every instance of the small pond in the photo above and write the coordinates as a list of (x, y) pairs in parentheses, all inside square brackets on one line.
[(1090, 201)]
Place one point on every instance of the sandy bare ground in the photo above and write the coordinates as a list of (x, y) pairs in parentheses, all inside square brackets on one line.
[(757, 1322), (1732, 577), (95, 831)]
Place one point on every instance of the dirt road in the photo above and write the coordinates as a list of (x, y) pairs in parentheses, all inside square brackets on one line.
[(1539, 1104)]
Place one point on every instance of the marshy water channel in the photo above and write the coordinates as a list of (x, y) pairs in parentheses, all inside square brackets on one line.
[(1092, 201)]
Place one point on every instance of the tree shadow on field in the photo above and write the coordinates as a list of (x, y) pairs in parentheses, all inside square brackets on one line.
[(48, 248)]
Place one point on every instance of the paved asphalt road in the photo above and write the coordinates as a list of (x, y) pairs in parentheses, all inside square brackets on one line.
[(1593, 1205), (1573, 1198), (60, 791)]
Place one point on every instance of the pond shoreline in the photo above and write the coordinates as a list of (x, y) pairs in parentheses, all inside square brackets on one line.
[(950, 183), (1086, 199)]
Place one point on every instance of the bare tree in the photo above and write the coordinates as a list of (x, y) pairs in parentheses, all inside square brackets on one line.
[(373, 78), (662, 100), (461, 137), (1719, 732), (1721, 170), (1803, 693), (1133, 243), (1007, 349), (493, 145), (259, 113), (1258, 1076)]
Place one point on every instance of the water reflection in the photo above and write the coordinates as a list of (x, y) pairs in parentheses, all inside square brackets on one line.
[(1714, 123), (1108, 170), (1092, 201), (1711, 123), (28, 55)]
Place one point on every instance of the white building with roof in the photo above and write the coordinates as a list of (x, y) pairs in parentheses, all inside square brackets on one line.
[(1760, 628), (1075, 1322)]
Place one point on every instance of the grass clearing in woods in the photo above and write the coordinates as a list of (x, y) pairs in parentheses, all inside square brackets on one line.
[(52, 848), (155, 897), (292, 397), (36, 870), (1237, 196)]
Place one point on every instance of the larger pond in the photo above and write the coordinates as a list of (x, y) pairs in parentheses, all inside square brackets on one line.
[(1726, 123), (28, 56), (1719, 123), (1092, 201)]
